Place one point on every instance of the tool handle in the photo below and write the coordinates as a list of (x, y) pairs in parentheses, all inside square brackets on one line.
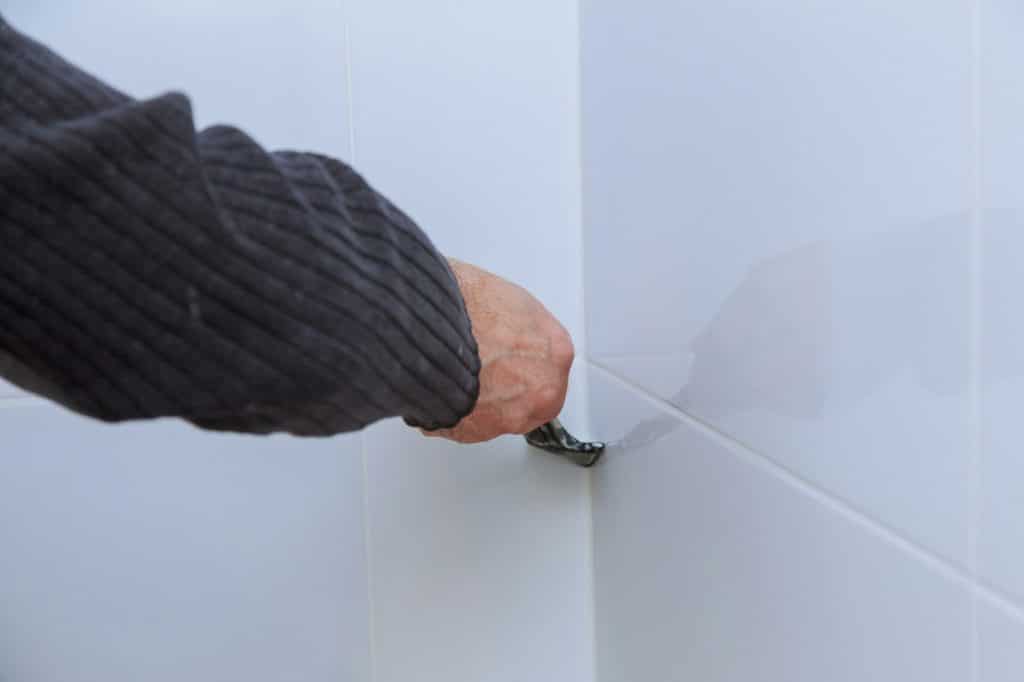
[(553, 438)]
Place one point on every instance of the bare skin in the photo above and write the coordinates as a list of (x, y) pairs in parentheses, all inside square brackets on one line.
[(525, 356)]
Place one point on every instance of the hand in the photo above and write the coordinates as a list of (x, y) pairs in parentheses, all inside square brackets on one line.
[(525, 357)]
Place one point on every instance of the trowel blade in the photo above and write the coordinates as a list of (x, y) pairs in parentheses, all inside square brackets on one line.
[(553, 438)]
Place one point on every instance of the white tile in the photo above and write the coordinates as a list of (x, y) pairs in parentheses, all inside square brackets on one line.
[(776, 213), (274, 68), (709, 566), (1002, 102), (466, 116), (1001, 644), (479, 560), (1001, 537), (159, 552)]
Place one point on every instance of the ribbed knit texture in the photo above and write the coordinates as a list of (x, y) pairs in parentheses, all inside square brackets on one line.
[(149, 270)]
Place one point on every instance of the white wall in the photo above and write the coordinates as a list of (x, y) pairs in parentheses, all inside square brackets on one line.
[(803, 264), (803, 228), (160, 552)]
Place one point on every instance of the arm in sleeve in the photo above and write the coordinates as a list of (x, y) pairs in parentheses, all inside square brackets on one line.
[(150, 270)]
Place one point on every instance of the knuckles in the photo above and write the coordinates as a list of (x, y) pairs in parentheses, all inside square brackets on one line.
[(549, 403), (562, 350)]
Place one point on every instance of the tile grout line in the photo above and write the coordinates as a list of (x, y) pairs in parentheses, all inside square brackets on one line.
[(787, 475), (590, 566), (976, 313), (591, 571), (959, 575), (368, 554), (581, 233), (371, 602)]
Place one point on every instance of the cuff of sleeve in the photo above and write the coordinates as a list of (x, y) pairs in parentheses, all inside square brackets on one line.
[(438, 426)]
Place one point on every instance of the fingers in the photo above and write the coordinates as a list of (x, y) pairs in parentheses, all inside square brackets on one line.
[(525, 353)]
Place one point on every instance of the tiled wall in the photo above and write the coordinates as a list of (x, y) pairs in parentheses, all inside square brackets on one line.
[(803, 229), (158, 552), (1000, 541), (803, 247)]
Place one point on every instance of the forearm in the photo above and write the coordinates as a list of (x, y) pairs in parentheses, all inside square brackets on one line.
[(151, 271)]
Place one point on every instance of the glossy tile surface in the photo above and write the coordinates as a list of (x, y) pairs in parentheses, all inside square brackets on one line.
[(1001, 478), (1001, 644), (778, 235), (1001, 535), (466, 115), (162, 553), (479, 561), (711, 567)]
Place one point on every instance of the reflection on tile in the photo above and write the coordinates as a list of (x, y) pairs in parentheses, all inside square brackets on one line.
[(464, 116), (718, 136), (479, 558), (856, 382), (787, 230), (1001, 644), (1001, 535), (709, 567), (158, 552)]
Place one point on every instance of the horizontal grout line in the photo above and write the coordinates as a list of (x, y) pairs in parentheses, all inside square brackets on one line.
[(941, 565), (996, 598)]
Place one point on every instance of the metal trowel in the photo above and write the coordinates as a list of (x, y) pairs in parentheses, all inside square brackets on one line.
[(553, 438)]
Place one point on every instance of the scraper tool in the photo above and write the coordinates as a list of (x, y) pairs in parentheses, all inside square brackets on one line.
[(553, 437)]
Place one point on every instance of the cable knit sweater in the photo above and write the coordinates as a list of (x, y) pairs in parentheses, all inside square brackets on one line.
[(148, 270)]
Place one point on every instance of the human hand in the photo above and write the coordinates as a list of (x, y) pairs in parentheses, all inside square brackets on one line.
[(525, 356)]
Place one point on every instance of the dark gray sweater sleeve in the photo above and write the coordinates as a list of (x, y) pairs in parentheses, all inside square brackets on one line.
[(148, 270)]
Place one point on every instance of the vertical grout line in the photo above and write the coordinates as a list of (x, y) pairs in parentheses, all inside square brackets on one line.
[(591, 568), (371, 602), (581, 231), (590, 565), (368, 553), (975, 325)]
